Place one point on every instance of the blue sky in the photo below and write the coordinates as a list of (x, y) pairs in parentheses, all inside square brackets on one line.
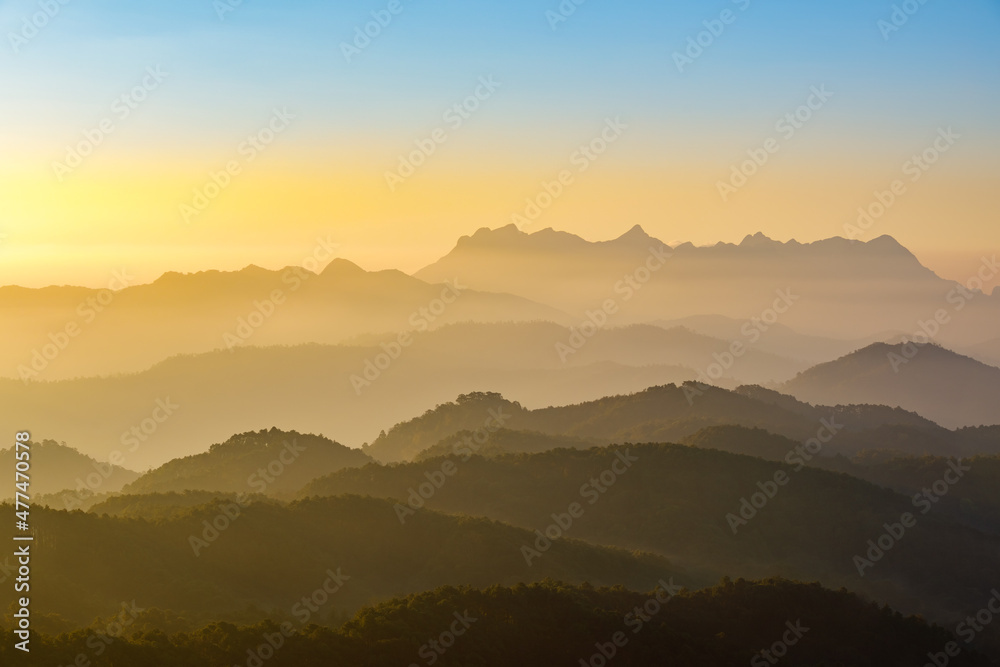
[(558, 85)]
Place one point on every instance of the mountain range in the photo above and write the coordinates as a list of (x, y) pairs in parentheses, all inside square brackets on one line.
[(534, 426), (841, 288), (805, 303), (309, 389)]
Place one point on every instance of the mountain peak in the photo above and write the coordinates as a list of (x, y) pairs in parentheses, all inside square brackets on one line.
[(341, 267), (510, 237), (506, 232), (636, 236), (888, 243), (635, 232), (759, 240)]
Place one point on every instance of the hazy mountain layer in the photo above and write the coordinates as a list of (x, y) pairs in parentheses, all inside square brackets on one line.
[(179, 406), (66, 332), (949, 388), (838, 288), (55, 467), (661, 414)]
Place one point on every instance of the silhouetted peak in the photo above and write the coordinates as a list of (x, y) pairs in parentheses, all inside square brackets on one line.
[(486, 237), (506, 232), (759, 240), (342, 267), (510, 237), (888, 244), (636, 233)]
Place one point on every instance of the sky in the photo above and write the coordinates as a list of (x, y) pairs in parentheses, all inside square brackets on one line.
[(198, 134)]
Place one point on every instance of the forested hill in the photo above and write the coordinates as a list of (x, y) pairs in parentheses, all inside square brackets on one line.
[(544, 625), (665, 413)]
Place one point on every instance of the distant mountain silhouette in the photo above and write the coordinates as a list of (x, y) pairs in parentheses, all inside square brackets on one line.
[(847, 289), (56, 467), (221, 393), (952, 389), (307, 388), (134, 328), (778, 339)]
